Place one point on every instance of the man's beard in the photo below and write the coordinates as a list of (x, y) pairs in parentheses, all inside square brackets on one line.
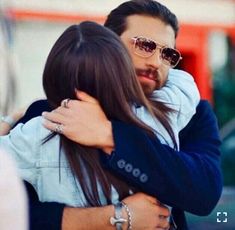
[(148, 73), (151, 74)]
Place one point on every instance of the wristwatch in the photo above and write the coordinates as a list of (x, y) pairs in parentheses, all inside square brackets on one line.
[(117, 220)]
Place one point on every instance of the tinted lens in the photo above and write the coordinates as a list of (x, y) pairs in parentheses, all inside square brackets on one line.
[(171, 56), (144, 47)]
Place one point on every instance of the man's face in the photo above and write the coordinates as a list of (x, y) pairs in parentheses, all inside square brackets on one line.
[(152, 72)]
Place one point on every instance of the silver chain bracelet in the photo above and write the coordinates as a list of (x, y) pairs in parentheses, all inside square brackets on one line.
[(129, 227)]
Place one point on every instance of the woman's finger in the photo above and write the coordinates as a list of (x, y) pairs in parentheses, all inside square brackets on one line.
[(54, 117), (86, 97)]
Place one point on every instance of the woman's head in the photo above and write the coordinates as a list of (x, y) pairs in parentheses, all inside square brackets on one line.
[(91, 58)]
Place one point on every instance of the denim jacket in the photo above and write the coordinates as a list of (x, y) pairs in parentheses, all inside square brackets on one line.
[(181, 94), (45, 165)]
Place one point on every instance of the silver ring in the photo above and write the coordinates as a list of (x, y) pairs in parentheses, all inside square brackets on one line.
[(65, 103), (59, 128)]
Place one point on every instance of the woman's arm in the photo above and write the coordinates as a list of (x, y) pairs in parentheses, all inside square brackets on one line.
[(9, 121), (181, 94)]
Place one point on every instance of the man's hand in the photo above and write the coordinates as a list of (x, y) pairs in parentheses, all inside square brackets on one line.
[(147, 214), (83, 121)]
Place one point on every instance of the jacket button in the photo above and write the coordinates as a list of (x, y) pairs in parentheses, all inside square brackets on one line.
[(143, 178), (121, 164), (128, 168), (136, 172)]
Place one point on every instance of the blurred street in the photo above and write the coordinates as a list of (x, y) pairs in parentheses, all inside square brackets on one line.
[(211, 222)]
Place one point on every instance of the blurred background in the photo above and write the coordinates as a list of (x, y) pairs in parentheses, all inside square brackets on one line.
[(28, 29)]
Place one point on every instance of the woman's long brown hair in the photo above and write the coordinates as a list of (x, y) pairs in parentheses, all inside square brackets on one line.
[(91, 58)]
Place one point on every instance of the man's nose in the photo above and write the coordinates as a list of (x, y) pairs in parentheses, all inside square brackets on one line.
[(154, 61)]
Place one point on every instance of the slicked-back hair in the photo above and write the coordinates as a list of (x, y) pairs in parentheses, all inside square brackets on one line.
[(117, 19)]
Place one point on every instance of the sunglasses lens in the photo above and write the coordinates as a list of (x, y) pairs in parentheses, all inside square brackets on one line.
[(171, 56), (144, 47)]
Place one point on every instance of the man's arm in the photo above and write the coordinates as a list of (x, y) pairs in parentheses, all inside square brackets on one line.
[(47, 215), (189, 179), (194, 171), (145, 211)]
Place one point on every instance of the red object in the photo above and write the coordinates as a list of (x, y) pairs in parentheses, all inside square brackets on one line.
[(193, 45), (192, 42)]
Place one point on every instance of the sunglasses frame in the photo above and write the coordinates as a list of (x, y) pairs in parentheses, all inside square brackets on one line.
[(158, 46)]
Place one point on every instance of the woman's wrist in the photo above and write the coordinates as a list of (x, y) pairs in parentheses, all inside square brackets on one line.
[(6, 123), (8, 120), (13, 117), (107, 139)]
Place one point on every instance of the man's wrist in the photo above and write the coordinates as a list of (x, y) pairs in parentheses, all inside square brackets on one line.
[(88, 218)]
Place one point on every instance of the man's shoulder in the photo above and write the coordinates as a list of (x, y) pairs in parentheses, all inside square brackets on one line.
[(203, 104), (35, 110), (204, 109), (43, 103), (204, 116)]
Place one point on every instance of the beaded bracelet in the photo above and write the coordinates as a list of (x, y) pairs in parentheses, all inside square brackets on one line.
[(129, 227)]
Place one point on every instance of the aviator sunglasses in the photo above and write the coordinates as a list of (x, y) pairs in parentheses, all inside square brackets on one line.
[(145, 47)]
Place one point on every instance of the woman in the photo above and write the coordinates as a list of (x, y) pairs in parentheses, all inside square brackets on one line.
[(90, 58)]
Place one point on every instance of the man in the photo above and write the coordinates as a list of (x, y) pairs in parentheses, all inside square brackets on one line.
[(189, 179)]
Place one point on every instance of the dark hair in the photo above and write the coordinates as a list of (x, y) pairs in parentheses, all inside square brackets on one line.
[(91, 58), (117, 22), (117, 19)]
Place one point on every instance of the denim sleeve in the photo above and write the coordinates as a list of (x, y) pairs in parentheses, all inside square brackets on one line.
[(181, 94), (23, 144)]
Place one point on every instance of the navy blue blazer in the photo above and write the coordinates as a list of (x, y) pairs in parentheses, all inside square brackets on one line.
[(187, 180)]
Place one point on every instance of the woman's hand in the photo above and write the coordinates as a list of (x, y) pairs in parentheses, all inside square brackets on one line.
[(83, 121), (7, 122)]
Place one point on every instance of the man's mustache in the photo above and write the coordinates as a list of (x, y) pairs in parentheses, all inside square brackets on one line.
[(149, 73)]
